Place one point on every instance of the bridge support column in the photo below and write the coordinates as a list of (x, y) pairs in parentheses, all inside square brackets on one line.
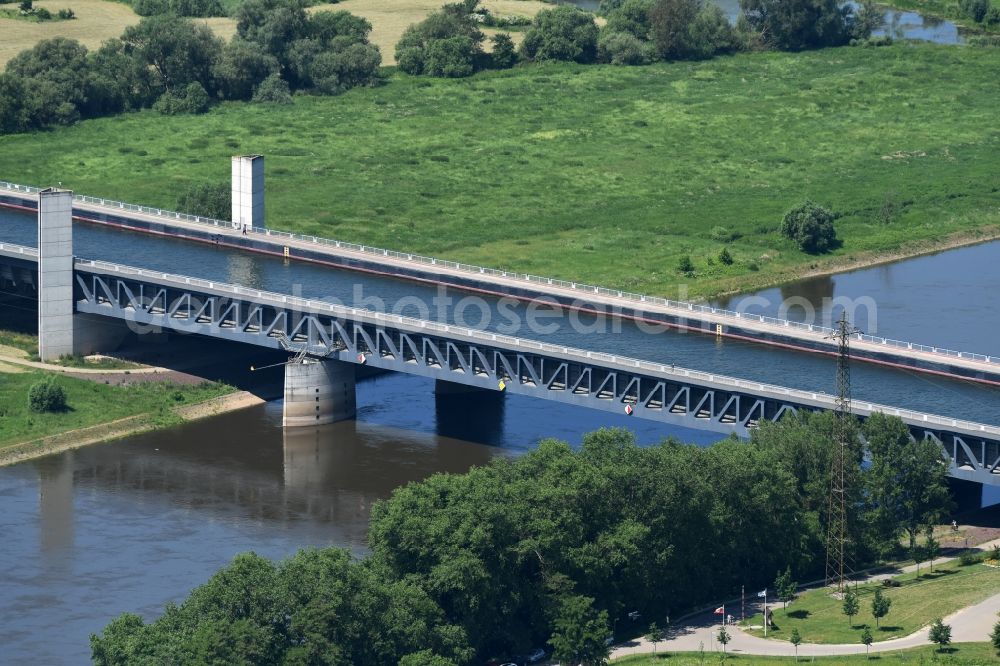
[(55, 273), (248, 191), (317, 392)]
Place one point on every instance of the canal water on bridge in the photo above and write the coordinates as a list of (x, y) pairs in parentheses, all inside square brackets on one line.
[(133, 524), (937, 300)]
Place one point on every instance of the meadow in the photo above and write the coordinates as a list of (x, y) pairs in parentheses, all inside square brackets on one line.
[(89, 403), (594, 173), (916, 603)]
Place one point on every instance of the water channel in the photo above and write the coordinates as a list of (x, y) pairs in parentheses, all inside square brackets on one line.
[(897, 23), (130, 525)]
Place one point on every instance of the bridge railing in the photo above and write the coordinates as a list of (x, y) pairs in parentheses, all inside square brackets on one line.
[(9, 248), (576, 287), (524, 344)]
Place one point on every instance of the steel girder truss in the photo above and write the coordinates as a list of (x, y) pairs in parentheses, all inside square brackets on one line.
[(581, 381)]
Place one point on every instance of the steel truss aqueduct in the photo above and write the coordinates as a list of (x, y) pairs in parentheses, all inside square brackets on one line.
[(149, 300)]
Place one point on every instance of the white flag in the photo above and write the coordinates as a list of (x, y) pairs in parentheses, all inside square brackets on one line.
[(762, 593)]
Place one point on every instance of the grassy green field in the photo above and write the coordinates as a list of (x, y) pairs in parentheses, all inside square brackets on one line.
[(960, 654), (594, 173), (916, 603), (89, 403)]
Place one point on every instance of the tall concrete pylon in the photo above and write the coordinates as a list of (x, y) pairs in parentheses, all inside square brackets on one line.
[(55, 273), (248, 191)]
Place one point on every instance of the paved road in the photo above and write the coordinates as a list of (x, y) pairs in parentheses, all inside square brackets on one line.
[(973, 623)]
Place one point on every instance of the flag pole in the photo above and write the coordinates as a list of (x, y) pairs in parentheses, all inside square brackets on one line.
[(765, 612), (743, 603)]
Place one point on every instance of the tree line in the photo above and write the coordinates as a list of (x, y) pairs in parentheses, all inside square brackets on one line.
[(449, 42), (174, 65), (552, 548)]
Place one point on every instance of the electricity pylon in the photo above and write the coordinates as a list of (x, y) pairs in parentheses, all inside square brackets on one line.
[(836, 536)]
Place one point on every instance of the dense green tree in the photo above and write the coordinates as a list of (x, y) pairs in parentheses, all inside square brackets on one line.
[(562, 33), (785, 586), (670, 26), (793, 25), (712, 33), (631, 17), (503, 55), (850, 606), (333, 72), (178, 50), (242, 67), (880, 606), (654, 635), (446, 43), (940, 634), (120, 80), (55, 79), (579, 631), (723, 637), (273, 24), (906, 482), (450, 57), (811, 227)]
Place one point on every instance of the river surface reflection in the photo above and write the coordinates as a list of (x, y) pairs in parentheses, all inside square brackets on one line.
[(133, 524)]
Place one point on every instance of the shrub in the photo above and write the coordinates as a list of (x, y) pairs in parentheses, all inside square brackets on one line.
[(685, 265), (46, 396), (811, 227), (504, 54), (273, 89), (446, 43), (25, 6), (969, 557), (191, 99), (150, 7), (723, 235), (622, 48), (725, 258), (43, 14), (333, 72), (66, 14), (452, 57), (212, 200), (974, 9), (563, 33)]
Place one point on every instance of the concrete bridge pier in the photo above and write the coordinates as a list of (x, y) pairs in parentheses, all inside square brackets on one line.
[(318, 391), (61, 331)]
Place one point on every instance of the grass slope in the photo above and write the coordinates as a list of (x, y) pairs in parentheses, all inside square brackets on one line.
[(960, 654), (89, 403), (594, 173), (915, 604)]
